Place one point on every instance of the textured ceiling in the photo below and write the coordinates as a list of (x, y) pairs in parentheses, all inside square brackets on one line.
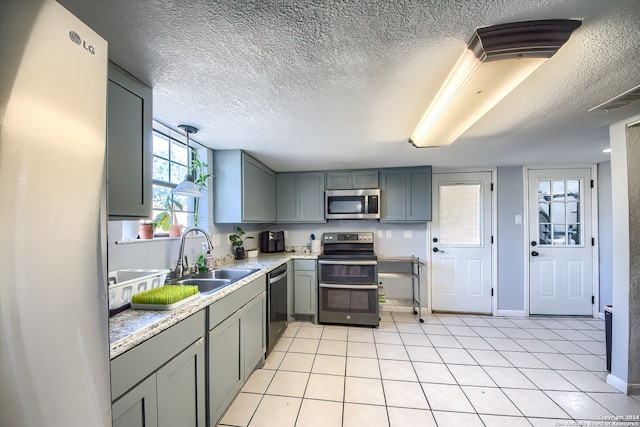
[(321, 84)]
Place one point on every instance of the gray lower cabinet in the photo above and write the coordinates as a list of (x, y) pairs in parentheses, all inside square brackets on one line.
[(137, 408), (300, 197), (305, 287), (406, 194), (244, 189), (161, 382), (237, 343), (129, 146)]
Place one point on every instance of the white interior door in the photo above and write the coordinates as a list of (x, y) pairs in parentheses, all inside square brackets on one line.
[(560, 251), (461, 243)]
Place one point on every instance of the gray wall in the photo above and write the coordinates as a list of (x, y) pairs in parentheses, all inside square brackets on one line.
[(510, 238), (605, 231)]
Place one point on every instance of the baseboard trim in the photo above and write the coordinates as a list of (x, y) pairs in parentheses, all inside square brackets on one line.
[(617, 383), (601, 316), (511, 313)]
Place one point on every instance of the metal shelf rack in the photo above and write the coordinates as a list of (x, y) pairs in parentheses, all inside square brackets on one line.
[(404, 268)]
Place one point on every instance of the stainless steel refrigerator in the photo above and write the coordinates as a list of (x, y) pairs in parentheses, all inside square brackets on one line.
[(54, 339)]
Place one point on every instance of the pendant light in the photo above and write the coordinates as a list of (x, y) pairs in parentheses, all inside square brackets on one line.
[(187, 187)]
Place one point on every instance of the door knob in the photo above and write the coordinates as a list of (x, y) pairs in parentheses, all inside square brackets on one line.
[(436, 250), (534, 253)]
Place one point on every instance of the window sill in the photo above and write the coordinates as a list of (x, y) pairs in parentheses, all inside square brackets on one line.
[(155, 239)]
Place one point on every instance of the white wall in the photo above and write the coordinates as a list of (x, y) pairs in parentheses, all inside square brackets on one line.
[(620, 277), (605, 238)]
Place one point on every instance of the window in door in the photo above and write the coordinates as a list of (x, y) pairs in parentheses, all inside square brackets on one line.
[(460, 214), (559, 212)]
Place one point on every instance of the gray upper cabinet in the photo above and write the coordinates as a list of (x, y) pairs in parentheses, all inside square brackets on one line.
[(406, 194), (346, 180), (129, 146), (244, 188), (300, 197)]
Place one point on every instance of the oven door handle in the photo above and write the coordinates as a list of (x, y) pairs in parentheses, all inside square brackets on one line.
[(354, 287), (336, 262)]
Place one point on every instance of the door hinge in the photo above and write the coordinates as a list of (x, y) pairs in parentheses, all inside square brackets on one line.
[(491, 291), (492, 186), (593, 241), (492, 240), (591, 183), (593, 299)]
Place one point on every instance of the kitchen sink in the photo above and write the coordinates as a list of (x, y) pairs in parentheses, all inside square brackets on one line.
[(214, 280), (232, 274), (205, 286)]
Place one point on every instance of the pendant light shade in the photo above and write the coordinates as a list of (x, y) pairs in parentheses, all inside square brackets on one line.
[(187, 187)]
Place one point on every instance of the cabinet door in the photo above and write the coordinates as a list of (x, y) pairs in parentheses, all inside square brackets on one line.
[(419, 194), (287, 189), (311, 199), (254, 318), (394, 194), (339, 180), (365, 179), (138, 407), (181, 389), (129, 150), (226, 369), (305, 290), (259, 192)]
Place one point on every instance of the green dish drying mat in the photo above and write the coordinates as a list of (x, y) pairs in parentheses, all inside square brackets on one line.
[(164, 298)]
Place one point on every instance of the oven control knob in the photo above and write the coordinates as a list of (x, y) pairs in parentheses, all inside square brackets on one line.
[(348, 317)]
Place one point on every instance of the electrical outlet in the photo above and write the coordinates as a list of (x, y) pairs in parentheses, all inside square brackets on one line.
[(388, 233), (286, 234), (407, 234), (216, 240), (380, 234)]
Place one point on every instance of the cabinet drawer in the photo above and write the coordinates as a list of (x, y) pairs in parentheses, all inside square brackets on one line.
[(225, 307), (304, 264), (130, 368)]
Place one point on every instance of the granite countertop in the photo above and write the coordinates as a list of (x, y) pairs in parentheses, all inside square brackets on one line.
[(132, 327)]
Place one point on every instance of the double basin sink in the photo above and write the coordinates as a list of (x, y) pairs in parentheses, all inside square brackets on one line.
[(215, 280)]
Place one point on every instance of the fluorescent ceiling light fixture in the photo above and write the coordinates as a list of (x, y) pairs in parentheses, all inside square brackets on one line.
[(497, 59), (187, 187)]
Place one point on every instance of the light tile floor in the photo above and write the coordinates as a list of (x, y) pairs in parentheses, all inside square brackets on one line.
[(451, 370)]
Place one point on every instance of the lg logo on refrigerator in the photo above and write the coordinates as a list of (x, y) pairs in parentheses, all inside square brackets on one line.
[(78, 40)]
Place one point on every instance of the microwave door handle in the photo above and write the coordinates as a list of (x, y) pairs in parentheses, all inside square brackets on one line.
[(336, 262), (354, 287)]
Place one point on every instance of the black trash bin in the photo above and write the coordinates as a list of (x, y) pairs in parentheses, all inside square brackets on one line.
[(608, 319)]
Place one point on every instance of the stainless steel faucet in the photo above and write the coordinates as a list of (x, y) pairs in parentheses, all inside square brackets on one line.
[(179, 271)]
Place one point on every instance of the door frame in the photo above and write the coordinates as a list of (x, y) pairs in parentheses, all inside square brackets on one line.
[(494, 247), (594, 233)]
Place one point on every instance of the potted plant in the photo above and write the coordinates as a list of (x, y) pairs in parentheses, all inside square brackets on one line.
[(198, 169), (145, 231), (236, 242), (167, 219)]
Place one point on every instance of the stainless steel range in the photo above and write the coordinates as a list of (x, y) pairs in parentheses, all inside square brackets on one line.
[(348, 280)]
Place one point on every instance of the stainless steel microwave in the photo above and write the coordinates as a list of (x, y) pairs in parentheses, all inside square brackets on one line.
[(353, 204)]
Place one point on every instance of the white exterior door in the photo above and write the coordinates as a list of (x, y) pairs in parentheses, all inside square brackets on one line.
[(461, 243), (560, 244)]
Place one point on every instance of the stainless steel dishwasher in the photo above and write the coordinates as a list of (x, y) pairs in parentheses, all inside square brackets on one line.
[(276, 305)]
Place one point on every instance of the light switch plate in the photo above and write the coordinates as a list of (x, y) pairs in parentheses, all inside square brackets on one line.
[(380, 234), (407, 234), (518, 219), (285, 234), (388, 234)]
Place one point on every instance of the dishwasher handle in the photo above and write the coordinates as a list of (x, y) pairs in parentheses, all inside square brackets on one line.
[(273, 280)]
